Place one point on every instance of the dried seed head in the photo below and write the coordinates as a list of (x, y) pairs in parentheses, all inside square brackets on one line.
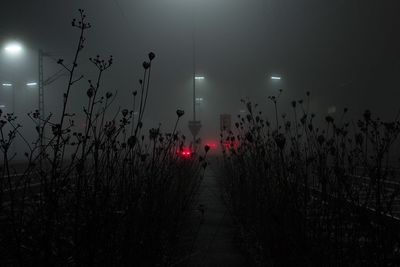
[(146, 65), (90, 92), (152, 56), (180, 112), (206, 148)]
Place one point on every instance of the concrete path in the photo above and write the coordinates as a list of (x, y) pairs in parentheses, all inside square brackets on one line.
[(209, 239)]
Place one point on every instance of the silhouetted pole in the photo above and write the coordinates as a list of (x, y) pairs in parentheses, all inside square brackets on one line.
[(194, 63), (194, 125), (41, 100)]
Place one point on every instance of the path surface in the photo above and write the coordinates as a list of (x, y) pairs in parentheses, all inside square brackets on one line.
[(210, 236)]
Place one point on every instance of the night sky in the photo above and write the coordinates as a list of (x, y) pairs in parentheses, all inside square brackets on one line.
[(346, 52)]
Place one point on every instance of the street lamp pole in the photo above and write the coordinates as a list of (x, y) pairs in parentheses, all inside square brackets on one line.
[(41, 98), (194, 63), (13, 100), (194, 125), (41, 84)]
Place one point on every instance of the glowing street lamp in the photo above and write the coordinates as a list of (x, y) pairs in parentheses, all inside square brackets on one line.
[(196, 99), (13, 48), (31, 84), (276, 78), (195, 125)]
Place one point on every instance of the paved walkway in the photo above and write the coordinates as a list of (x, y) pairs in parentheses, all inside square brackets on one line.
[(210, 236)]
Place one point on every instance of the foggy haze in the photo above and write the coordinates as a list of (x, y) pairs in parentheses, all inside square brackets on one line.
[(346, 53)]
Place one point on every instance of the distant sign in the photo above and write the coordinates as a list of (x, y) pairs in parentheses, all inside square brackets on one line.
[(194, 127), (225, 122)]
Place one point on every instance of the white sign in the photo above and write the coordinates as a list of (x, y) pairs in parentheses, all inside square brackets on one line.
[(225, 122)]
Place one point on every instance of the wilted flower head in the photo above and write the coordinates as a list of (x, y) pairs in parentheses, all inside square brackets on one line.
[(110, 60), (90, 92), (124, 112), (206, 148), (153, 133), (108, 95), (146, 65), (35, 114), (152, 56), (180, 112)]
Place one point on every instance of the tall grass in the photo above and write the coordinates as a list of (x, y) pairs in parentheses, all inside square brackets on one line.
[(310, 194), (107, 195)]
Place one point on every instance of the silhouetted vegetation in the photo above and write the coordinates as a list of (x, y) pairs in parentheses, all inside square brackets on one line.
[(309, 195), (110, 194), (104, 195)]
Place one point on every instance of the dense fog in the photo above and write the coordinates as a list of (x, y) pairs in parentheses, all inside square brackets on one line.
[(344, 52)]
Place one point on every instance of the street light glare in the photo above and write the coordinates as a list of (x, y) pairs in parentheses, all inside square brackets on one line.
[(13, 48), (7, 84), (275, 78), (2, 106), (199, 77), (31, 84)]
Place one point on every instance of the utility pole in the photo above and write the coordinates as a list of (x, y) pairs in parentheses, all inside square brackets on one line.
[(41, 84), (194, 65), (194, 125), (41, 100)]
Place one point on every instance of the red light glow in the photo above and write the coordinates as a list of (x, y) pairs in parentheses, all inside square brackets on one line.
[(212, 145), (186, 153), (230, 144)]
